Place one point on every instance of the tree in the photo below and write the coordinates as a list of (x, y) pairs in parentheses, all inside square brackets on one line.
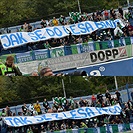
[(14, 11), (17, 90)]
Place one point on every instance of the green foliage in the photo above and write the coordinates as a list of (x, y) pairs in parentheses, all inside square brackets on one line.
[(14, 12), (16, 90)]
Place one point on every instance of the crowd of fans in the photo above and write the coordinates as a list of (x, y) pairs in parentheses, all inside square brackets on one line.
[(75, 17), (61, 104)]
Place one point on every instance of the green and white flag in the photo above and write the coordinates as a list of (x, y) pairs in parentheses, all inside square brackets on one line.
[(115, 128), (97, 45), (104, 45), (63, 100), (103, 129), (126, 41), (122, 42), (76, 48), (75, 15), (57, 52), (90, 130), (115, 43), (56, 99)]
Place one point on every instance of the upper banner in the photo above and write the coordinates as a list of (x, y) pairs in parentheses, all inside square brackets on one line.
[(19, 38), (80, 113)]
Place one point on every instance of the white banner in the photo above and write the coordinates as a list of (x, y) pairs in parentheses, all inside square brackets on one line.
[(108, 55), (19, 38), (80, 113)]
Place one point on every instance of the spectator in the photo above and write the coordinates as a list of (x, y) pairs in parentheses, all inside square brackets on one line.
[(34, 73), (74, 125), (108, 95), (8, 111), (29, 27), (98, 104), (46, 72), (71, 21), (24, 109), (43, 23), (113, 13), (71, 102), (9, 68), (118, 95), (31, 109), (93, 100), (47, 45), (103, 104), (61, 42), (79, 39), (55, 22), (55, 106), (106, 120), (67, 105), (63, 126), (82, 103), (3, 113), (100, 97), (25, 27), (106, 14), (130, 104), (76, 105), (46, 105), (83, 125), (60, 109), (118, 30), (113, 102), (21, 29), (120, 11), (130, 29), (49, 23), (54, 42), (62, 20), (76, 17), (37, 107), (63, 102), (107, 102), (127, 112), (117, 120), (123, 116)]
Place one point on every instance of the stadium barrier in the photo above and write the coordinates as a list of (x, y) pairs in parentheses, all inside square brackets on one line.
[(68, 50), (107, 128), (104, 129)]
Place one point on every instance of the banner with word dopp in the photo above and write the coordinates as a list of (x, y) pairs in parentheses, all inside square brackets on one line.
[(19, 38), (74, 61), (80, 113)]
